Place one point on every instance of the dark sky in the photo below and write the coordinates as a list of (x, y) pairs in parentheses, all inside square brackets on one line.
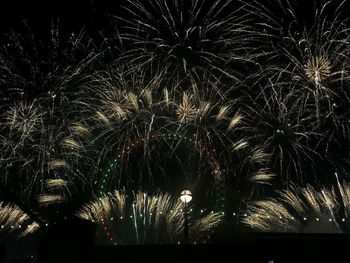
[(83, 12), (74, 12)]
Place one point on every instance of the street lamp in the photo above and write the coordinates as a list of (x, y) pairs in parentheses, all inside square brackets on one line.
[(186, 197)]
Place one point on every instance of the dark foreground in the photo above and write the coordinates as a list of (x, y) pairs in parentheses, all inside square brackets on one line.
[(74, 242), (269, 248), (264, 248)]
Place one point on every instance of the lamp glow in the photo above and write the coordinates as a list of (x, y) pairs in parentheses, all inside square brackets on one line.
[(186, 196)]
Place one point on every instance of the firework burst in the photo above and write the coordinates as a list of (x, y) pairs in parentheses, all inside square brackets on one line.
[(145, 219), (36, 75), (134, 137), (23, 123), (309, 57), (31, 66), (15, 222), (29, 152), (187, 40), (200, 95), (288, 133), (303, 209), (318, 69)]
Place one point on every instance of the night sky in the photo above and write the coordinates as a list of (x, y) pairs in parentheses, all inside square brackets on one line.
[(245, 104)]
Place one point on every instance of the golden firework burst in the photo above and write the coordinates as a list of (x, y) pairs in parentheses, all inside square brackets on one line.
[(157, 219), (186, 111), (318, 69)]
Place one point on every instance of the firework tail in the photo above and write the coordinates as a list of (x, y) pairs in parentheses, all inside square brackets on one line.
[(20, 204)]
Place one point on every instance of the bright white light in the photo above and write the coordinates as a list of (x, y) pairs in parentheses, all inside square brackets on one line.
[(186, 196)]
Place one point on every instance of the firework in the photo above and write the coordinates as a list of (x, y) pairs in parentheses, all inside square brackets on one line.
[(299, 96), (14, 221), (37, 74), (145, 219), (24, 126), (57, 193), (302, 209), (318, 69), (46, 200), (29, 152), (187, 41), (287, 131), (57, 164), (199, 134), (52, 184), (308, 56), (32, 65), (186, 111), (210, 96), (23, 119)]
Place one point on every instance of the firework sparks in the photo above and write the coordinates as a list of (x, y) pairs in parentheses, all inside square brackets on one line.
[(177, 120), (70, 143), (52, 184), (210, 94), (14, 220), (299, 209), (286, 131), (24, 119), (30, 65), (318, 69), (186, 111), (46, 200), (57, 164), (186, 41), (313, 60), (154, 219)]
